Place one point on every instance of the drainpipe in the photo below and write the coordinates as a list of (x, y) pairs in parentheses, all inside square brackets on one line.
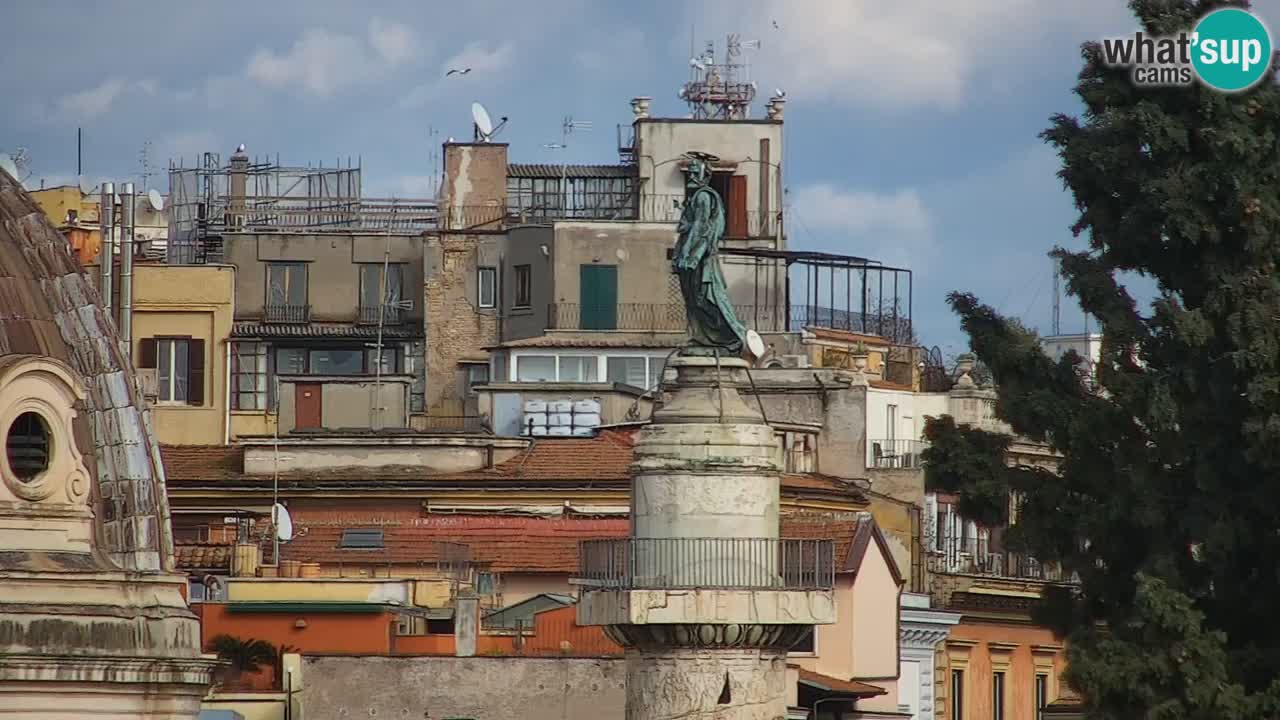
[(126, 267), (226, 405), (106, 221)]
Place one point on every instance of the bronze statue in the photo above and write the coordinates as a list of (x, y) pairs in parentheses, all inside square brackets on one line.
[(712, 322)]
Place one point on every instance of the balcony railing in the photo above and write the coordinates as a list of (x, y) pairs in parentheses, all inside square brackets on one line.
[(707, 563), (968, 556), (390, 315), (287, 314), (473, 217), (902, 454), (670, 317)]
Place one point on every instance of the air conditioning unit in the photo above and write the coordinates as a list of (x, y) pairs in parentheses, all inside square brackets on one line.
[(795, 361), (148, 384)]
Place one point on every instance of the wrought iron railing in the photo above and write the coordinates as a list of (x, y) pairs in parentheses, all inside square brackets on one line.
[(904, 454), (972, 556), (258, 213), (670, 317), (391, 315), (707, 563), (287, 313), (474, 217)]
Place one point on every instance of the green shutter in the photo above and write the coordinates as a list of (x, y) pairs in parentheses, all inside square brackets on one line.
[(598, 295)]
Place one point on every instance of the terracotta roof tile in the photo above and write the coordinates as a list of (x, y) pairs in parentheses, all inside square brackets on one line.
[(202, 556), (836, 685), (527, 544), (202, 462)]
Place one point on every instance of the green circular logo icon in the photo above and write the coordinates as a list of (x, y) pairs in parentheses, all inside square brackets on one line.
[(1231, 50)]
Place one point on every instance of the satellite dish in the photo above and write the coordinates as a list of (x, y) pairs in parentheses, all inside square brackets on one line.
[(156, 199), (7, 165), (484, 126), (755, 344), (85, 187), (284, 524)]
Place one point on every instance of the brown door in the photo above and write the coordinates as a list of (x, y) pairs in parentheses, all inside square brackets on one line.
[(306, 406), (735, 208)]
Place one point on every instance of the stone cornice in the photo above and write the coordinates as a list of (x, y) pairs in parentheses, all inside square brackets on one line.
[(921, 637), (196, 672)]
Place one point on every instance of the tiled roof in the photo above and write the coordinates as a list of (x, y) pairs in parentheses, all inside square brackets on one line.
[(542, 170), (202, 556), (321, 330), (528, 544), (838, 686), (505, 544), (1017, 604), (601, 460), (888, 385)]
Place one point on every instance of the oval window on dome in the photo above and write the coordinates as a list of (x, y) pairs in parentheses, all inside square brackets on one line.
[(27, 446)]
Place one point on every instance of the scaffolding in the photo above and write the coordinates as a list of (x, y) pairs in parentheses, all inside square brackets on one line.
[(211, 198)]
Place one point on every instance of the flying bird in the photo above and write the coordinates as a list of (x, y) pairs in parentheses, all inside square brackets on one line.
[(456, 71), (775, 25)]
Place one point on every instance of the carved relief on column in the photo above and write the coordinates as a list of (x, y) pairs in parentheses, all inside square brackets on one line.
[(656, 638)]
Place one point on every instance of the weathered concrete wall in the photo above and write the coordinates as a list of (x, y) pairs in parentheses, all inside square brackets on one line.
[(478, 687), (457, 328)]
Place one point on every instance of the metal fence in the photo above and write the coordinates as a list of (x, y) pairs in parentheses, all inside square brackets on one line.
[(391, 315), (287, 314), (670, 317), (972, 556), (701, 563), (902, 454)]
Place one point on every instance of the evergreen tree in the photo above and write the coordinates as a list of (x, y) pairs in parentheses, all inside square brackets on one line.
[(1167, 499)]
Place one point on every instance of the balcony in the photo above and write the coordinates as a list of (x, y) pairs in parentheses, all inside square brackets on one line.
[(389, 315), (670, 317), (707, 563), (896, 454), (287, 314), (970, 556)]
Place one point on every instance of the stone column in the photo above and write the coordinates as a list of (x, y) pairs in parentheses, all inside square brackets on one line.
[(704, 596)]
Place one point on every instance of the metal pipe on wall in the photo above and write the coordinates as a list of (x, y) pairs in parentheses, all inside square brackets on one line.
[(106, 257), (126, 266)]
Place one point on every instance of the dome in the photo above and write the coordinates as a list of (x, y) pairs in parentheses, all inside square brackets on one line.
[(92, 620)]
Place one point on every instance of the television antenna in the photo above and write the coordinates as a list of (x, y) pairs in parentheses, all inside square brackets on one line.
[(566, 129), (386, 301), (485, 130), (144, 162), (720, 90), (1057, 298)]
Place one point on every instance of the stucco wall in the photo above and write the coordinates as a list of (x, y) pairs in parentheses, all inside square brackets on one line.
[(639, 250), (333, 275), (478, 687), (524, 247), (912, 410)]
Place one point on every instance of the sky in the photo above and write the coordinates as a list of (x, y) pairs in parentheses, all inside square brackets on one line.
[(910, 136)]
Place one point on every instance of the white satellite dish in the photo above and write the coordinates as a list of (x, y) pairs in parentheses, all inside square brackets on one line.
[(284, 524), (755, 344), (484, 125), (156, 199), (85, 187), (7, 165)]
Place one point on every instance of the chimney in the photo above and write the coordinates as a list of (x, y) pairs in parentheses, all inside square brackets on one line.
[(126, 267), (106, 258), (773, 109), (466, 623), (236, 190), (640, 107)]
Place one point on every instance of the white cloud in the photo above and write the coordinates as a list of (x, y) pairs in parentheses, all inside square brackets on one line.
[(94, 101), (902, 55), (322, 63), (894, 227), (602, 57), (186, 145)]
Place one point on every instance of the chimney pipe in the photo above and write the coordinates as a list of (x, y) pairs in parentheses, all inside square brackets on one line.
[(106, 221), (126, 267)]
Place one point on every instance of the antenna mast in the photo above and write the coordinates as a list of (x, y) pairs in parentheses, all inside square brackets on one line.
[(720, 91)]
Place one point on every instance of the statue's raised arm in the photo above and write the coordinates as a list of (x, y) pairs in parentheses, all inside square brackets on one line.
[(712, 322)]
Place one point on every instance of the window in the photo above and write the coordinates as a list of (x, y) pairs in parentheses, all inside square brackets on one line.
[(535, 368), (997, 696), (291, 361), (524, 294), (957, 695), (286, 292), (799, 451), (27, 447), (477, 374), (487, 287), (361, 539), (389, 357), (439, 626), (891, 425), (805, 645), (628, 370), (179, 366), (578, 368), (657, 366), (486, 583), (248, 376), (336, 362), (415, 364), (1042, 691), (371, 282)]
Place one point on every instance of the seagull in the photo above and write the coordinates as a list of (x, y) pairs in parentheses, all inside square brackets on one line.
[(457, 72), (775, 25), (240, 147), (779, 93)]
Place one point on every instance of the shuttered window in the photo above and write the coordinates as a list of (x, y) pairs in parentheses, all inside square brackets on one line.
[(179, 366)]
